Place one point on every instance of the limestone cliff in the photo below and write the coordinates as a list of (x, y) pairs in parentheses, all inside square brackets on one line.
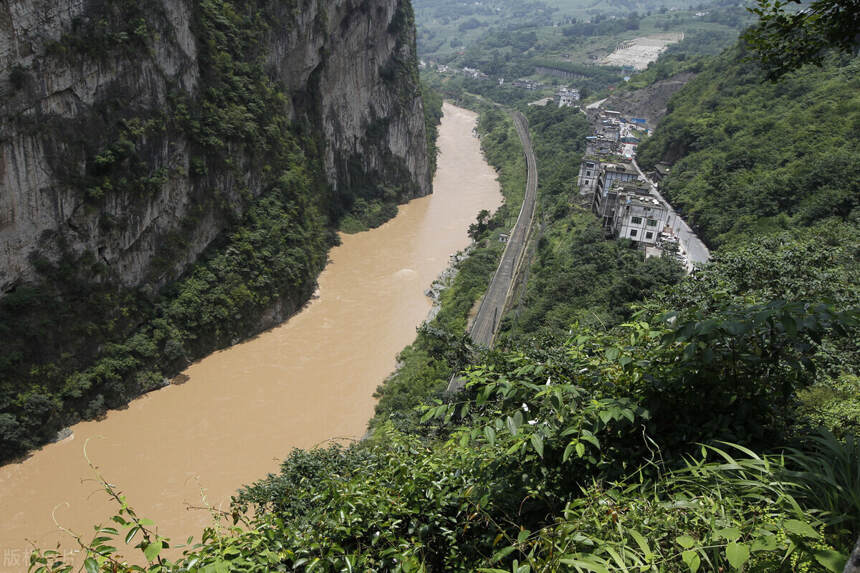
[(96, 156), (170, 175)]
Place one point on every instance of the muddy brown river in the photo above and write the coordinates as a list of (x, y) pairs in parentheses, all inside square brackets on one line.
[(242, 409)]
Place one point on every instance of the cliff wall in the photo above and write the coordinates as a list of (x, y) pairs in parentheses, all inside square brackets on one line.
[(93, 90)]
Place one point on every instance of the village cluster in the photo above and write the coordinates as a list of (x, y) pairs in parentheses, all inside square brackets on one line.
[(628, 204)]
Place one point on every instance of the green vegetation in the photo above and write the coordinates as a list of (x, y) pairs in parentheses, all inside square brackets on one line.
[(562, 44), (273, 255), (432, 119), (577, 276), (369, 213), (442, 347), (750, 156), (709, 426), (449, 27), (784, 40)]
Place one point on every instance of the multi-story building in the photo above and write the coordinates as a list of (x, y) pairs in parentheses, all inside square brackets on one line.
[(605, 196), (567, 97), (589, 172), (638, 215), (596, 145)]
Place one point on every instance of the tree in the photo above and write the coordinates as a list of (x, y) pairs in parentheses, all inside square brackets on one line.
[(483, 223), (785, 41)]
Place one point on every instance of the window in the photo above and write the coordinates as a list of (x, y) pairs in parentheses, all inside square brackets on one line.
[(632, 232), (587, 182), (649, 235), (636, 220), (588, 173), (652, 222)]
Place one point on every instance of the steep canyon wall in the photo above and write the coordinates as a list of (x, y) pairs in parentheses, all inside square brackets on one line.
[(171, 172), (94, 90)]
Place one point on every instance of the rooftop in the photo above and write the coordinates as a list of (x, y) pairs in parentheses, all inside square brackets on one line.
[(619, 167)]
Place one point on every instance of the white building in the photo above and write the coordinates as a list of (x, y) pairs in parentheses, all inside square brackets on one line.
[(605, 195), (639, 216), (567, 97), (589, 173)]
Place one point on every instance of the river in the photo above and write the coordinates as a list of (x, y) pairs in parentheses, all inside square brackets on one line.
[(242, 409)]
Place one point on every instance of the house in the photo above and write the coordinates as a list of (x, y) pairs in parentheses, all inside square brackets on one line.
[(589, 172), (609, 129), (596, 145), (605, 196), (567, 97), (661, 170), (639, 216)]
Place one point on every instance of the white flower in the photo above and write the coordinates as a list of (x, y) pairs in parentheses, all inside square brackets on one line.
[(548, 380), (525, 408), (532, 422)]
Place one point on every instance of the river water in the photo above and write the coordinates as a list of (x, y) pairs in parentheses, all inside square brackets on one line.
[(242, 409)]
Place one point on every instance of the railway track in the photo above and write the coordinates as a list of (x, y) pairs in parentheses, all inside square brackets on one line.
[(486, 323)]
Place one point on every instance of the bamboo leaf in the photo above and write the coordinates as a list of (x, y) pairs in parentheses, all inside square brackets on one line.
[(537, 442)]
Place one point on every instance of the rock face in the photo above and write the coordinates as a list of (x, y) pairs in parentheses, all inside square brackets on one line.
[(649, 103), (86, 88)]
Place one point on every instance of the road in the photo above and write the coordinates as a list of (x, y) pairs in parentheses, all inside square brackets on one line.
[(693, 246), (492, 307)]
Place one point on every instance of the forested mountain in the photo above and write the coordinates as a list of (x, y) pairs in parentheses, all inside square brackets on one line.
[(750, 156)]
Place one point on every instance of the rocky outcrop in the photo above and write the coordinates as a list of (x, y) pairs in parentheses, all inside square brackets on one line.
[(90, 87), (648, 103)]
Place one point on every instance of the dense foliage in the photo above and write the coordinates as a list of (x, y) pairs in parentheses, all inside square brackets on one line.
[(750, 156), (442, 347), (784, 40), (432, 118), (562, 287), (561, 43), (686, 439), (570, 457)]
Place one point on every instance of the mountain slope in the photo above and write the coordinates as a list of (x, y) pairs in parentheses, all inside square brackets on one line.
[(752, 156)]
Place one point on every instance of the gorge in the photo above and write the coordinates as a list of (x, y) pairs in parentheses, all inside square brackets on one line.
[(171, 173), (241, 410)]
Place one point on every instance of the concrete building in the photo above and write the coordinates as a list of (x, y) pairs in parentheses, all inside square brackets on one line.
[(605, 196), (661, 171), (609, 129), (567, 97), (596, 145), (638, 216), (589, 173)]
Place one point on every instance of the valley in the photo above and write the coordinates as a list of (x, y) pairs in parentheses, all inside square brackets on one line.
[(306, 383)]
